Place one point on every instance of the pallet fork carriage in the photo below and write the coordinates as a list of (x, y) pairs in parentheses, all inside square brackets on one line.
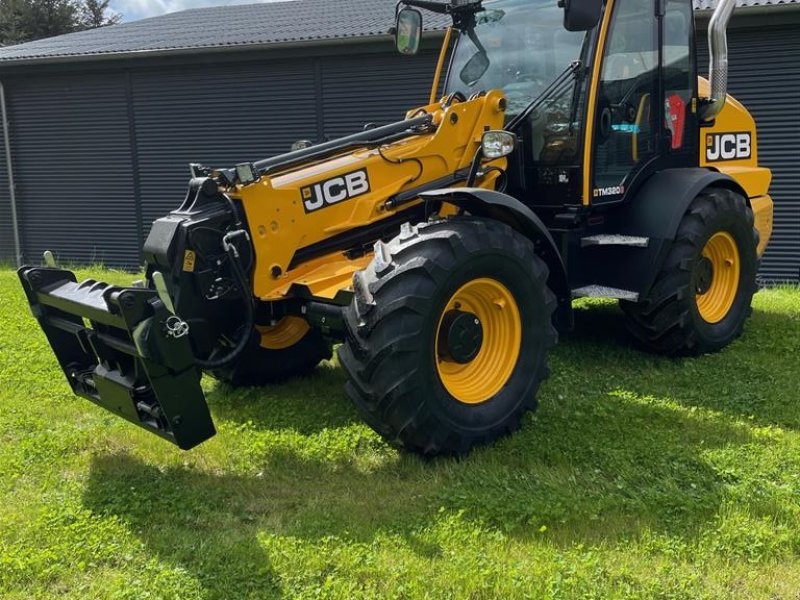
[(575, 153)]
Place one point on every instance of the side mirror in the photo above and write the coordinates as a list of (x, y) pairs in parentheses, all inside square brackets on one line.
[(475, 68), (498, 143), (581, 15), (408, 30)]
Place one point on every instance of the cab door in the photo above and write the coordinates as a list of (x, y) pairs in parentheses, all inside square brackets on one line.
[(645, 96)]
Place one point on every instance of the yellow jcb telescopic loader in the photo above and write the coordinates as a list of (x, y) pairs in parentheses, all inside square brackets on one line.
[(574, 153)]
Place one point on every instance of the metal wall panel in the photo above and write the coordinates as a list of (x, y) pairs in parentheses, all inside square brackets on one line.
[(215, 116), (90, 145), (764, 74), (253, 110), (72, 167), (376, 88)]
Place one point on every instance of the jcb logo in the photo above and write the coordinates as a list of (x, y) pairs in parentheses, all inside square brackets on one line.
[(727, 146), (335, 190)]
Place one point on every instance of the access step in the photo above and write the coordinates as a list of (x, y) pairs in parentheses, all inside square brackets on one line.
[(609, 239), (602, 291)]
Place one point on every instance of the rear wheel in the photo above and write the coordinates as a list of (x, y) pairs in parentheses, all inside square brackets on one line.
[(701, 298), (448, 334), (290, 348)]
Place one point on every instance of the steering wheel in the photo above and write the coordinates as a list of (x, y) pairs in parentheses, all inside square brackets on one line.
[(624, 105)]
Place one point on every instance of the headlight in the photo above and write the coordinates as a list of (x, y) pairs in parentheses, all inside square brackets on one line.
[(498, 143)]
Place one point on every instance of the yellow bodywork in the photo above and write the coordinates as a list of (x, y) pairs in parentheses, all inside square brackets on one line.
[(734, 119), (280, 225)]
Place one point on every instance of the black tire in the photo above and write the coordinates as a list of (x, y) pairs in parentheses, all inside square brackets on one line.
[(259, 366), (389, 353), (669, 321)]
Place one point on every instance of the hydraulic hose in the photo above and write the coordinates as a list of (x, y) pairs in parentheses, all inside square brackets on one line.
[(249, 312)]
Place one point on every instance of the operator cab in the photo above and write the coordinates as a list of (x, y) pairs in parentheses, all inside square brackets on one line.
[(595, 115)]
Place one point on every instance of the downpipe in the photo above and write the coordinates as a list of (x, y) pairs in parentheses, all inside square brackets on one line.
[(718, 59), (12, 192)]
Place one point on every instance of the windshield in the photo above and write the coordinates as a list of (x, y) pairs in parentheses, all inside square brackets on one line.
[(527, 47)]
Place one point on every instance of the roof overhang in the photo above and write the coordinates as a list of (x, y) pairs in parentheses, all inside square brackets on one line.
[(702, 16), (435, 34)]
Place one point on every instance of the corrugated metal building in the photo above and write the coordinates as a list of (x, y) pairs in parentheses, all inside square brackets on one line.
[(103, 123), (764, 60)]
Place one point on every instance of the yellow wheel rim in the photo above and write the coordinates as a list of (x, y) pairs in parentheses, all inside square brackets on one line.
[(286, 333), (716, 296), (485, 375)]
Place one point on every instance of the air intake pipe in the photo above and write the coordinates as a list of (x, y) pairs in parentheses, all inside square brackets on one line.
[(718, 59)]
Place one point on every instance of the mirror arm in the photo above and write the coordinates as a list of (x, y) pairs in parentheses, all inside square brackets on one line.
[(435, 7), (474, 38), (463, 16)]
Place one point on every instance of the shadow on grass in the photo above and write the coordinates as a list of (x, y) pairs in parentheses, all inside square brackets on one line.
[(616, 447), (755, 378), (307, 405), (187, 520)]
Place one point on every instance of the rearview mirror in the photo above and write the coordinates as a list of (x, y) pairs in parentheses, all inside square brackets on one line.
[(581, 15), (475, 68), (408, 30)]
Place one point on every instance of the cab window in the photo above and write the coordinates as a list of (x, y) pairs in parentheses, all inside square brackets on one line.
[(679, 75), (626, 129)]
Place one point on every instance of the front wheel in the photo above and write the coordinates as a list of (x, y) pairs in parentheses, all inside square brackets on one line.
[(448, 334), (701, 298)]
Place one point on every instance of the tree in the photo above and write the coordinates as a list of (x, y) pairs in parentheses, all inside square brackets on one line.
[(12, 28), (26, 20), (96, 13)]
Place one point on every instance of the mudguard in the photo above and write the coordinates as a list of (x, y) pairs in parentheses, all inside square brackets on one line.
[(655, 212), (507, 209), (659, 205)]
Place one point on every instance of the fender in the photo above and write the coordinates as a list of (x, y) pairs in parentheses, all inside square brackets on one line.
[(657, 207), (507, 209), (655, 211)]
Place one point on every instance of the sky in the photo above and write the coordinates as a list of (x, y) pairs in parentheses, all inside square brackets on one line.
[(132, 10)]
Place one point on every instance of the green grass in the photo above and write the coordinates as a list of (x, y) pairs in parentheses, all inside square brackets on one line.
[(639, 477)]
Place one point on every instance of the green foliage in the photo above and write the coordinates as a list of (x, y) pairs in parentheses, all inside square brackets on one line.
[(26, 20), (96, 13), (639, 477)]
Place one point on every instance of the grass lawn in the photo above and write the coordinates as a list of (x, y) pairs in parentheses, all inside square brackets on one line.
[(639, 477)]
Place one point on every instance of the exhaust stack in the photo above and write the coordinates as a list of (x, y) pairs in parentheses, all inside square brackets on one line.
[(718, 59)]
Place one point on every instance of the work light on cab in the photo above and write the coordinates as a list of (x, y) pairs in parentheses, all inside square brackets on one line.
[(497, 144)]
